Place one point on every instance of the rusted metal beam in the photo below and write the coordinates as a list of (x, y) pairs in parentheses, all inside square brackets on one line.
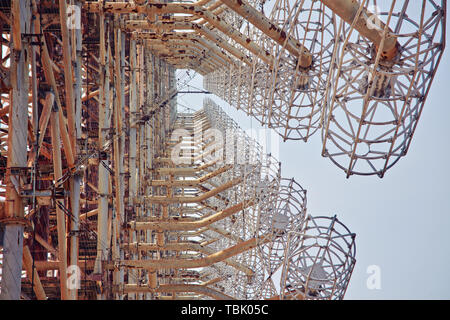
[(68, 79), (190, 225), (43, 123), (191, 182), (348, 10), (194, 263), (188, 246), (204, 196), (155, 8), (272, 30), (60, 215), (200, 289), (202, 30), (47, 65), (33, 275)]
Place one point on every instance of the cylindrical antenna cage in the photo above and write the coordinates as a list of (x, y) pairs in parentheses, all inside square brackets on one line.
[(370, 70), (285, 214), (376, 101), (319, 260), (296, 93)]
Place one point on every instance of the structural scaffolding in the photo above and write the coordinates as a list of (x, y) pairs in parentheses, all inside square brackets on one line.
[(108, 191)]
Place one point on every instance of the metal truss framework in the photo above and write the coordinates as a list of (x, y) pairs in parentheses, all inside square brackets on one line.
[(360, 71), (373, 63), (93, 203)]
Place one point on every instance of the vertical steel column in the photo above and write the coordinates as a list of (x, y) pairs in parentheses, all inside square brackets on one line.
[(139, 152), (118, 152), (132, 276), (75, 181), (122, 146), (151, 274), (17, 151), (103, 175)]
